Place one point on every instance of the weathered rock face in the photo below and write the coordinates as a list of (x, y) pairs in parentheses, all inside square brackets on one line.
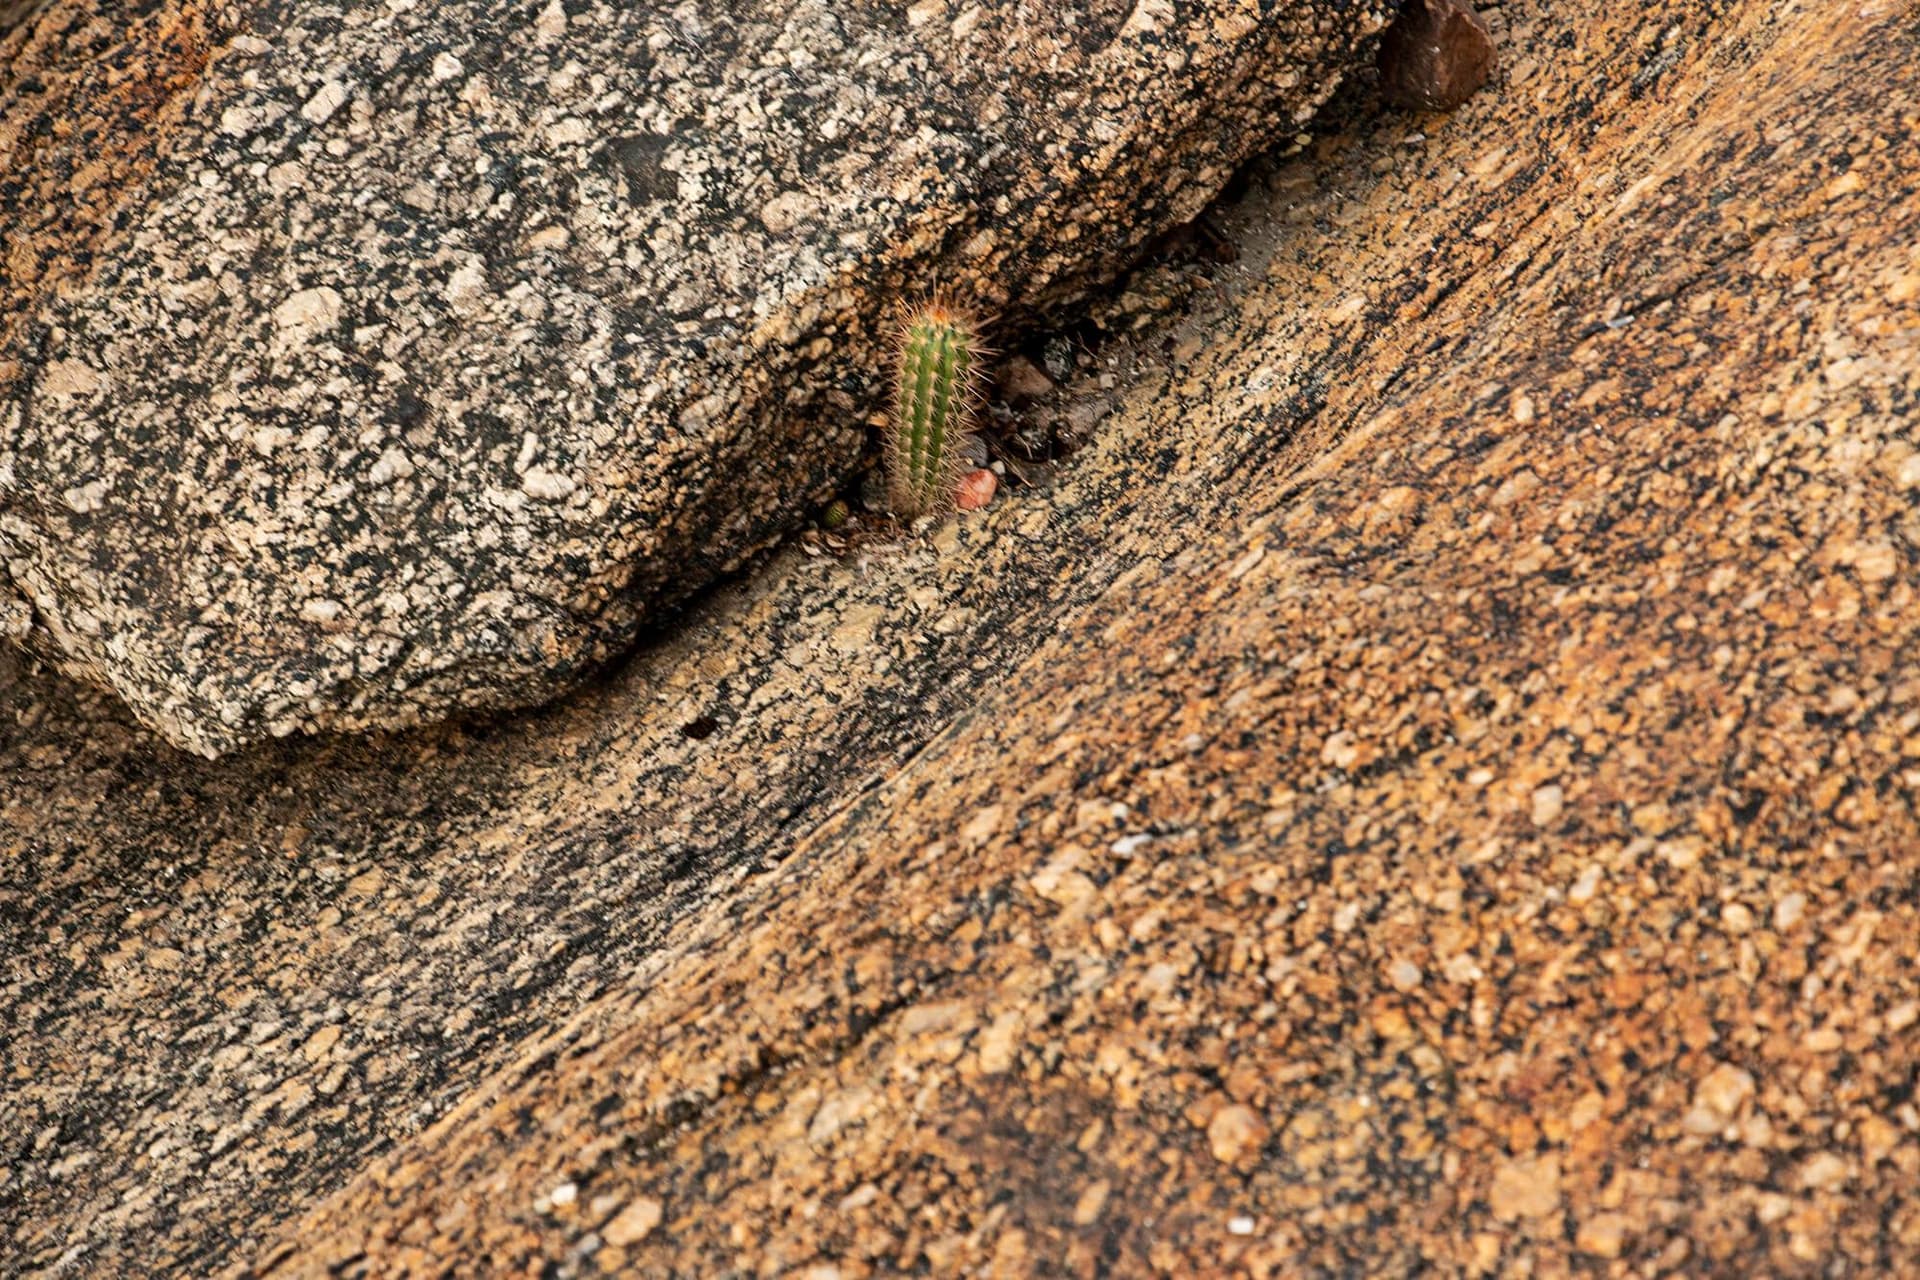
[(1431, 786), (1484, 842), (426, 349)]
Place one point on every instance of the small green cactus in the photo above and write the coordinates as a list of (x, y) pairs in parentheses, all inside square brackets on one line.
[(940, 367)]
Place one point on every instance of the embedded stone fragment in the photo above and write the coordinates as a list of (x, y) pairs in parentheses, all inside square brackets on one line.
[(1435, 55)]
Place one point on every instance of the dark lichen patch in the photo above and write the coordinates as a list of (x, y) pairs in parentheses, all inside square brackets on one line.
[(641, 159)]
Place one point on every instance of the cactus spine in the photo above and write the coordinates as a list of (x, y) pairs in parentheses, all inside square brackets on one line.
[(939, 367)]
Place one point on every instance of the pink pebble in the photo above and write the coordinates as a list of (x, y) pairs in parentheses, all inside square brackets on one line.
[(977, 489)]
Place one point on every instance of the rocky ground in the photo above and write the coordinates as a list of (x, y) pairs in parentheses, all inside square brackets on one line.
[(1429, 784), (369, 363)]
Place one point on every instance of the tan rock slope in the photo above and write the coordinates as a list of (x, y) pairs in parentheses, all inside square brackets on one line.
[(1433, 785)]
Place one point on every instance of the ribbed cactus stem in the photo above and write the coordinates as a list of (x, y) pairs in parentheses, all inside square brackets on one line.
[(939, 367)]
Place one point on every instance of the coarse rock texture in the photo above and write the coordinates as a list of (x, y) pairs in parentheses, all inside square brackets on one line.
[(396, 359), (1432, 784)]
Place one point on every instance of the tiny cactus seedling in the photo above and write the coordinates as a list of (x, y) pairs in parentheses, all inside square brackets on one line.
[(939, 367)]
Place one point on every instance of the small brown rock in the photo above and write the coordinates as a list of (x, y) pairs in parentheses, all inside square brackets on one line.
[(1404, 975), (1082, 418), (977, 489), (1235, 1132), (633, 1223), (320, 1043), (1602, 1235), (1434, 55), (1087, 1210), (1525, 1189), (1022, 381), (1718, 1098), (1825, 1171)]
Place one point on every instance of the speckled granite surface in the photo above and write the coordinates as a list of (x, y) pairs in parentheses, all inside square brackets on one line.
[(434, 347), (1433, 785)]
